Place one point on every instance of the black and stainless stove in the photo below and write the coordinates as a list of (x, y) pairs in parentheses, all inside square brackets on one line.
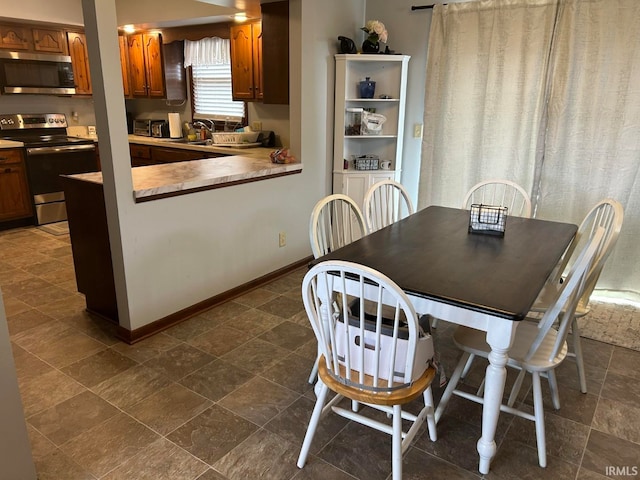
[(49, 153)]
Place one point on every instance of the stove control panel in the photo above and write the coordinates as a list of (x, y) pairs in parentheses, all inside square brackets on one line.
[(32, 120)]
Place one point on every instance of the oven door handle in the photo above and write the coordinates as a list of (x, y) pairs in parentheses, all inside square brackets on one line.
[(59, 149)]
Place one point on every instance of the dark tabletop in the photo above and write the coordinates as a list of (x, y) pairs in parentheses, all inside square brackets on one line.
[(431, 254)]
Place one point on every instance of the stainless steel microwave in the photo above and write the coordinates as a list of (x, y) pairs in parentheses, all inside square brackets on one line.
[(36, 73)]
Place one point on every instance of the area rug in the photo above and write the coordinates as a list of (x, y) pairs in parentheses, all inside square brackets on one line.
[(59, 228), (614, 324)]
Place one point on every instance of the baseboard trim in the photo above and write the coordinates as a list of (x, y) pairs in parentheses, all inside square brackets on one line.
[(134, 336)]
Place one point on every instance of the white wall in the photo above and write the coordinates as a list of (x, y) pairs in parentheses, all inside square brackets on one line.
[(408, 34), (58, 11)]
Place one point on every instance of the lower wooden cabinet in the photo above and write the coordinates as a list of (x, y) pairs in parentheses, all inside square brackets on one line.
[(15, 199), (142, 155)]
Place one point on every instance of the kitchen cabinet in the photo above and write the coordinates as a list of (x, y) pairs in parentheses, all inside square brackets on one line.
[(145, 65), (33, 38), (155, 69), (142, 155), (15, 201), (246, 61), (124, 65), (356, 184), (169, 155), (351, 141), (49, 40), (275, 52), (260, 57), (15, 37), (77, 44)]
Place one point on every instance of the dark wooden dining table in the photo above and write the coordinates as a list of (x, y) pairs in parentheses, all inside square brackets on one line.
[(481, 281)]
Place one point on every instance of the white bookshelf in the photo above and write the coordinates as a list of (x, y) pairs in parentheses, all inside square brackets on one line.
[(390, 74)]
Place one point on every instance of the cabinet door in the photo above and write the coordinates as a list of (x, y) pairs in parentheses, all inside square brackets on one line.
[(14, 37), (242, 62), (80, 62), (356, 185), (15, 201), (49, 40), (153, 65), (256, 50), (124, 64), (275, 54), (170, 155), (137, 69)]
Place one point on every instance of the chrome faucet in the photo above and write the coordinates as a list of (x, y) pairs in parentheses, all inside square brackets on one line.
[(209, 129)]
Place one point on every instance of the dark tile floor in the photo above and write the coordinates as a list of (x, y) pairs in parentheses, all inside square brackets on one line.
[(225, 395)]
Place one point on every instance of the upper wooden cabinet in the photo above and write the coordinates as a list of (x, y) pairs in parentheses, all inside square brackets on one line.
[(275, 52), (145, 65), (260, 56), (155, 69), (124, 63), (49, 40), (27, 37), (15, 37), (246, 61), (77, 43)]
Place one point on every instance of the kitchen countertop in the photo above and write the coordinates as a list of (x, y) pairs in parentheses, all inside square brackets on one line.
[(167, 142), (179, 178), (10, 144)]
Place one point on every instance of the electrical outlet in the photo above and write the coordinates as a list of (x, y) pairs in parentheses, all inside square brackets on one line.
[(282, 239), (417, 130), (256, 126)]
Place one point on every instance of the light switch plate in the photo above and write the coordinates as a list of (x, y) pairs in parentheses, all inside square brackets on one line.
[(417, 130)]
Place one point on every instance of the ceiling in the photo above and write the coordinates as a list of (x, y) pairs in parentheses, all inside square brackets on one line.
[(172, 13)]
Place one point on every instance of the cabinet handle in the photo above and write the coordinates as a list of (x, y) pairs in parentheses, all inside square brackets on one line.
[(3, 158), (7, 170)]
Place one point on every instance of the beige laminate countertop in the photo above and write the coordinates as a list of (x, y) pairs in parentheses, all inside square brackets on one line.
[(166, 142), (10, 144), (179, 178)]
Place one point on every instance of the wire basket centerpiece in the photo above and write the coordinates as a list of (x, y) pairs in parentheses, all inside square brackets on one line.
[(487, 219)]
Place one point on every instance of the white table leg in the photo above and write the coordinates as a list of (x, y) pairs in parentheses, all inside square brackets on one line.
[(500, 338)]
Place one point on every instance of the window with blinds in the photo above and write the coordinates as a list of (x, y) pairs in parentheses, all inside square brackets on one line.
[(212, 93)]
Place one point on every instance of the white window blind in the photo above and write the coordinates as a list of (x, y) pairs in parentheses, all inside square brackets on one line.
[(210, 64), (212, 93)]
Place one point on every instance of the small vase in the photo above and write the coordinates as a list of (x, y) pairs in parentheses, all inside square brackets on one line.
[(367, 88), (370, 47)]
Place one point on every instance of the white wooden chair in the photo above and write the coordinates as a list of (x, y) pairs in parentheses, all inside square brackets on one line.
[(385, 202), (538, 348), (500, 192), (608, 214), (378, 363), (336, 220)]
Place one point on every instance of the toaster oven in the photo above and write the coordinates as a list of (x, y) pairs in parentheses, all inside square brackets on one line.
[(151, 128)]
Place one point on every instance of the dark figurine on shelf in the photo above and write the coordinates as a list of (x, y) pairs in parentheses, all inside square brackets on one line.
[(347, 45)]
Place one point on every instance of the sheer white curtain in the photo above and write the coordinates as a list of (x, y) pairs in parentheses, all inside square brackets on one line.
[(592, 146), (207, 51), (486, 78), (545, 93)]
